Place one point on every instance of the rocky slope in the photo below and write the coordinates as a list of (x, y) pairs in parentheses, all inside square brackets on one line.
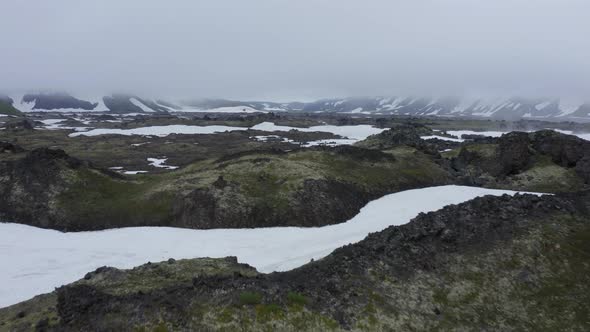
[(493, 263), (303, 187), (544, 161)]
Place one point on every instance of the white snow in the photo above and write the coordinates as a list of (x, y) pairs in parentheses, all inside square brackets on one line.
[(35, 260), (20, 105), (140, 144), (158, 130), (271, 138), (443, 138), (463, 105), (542, 105), (134, 172), (141, 105), (160, 163), (568, 106), (229, 109), (54, 124), (458, 133), (330, 142), (357, 132), (327, 142), (394, 104)]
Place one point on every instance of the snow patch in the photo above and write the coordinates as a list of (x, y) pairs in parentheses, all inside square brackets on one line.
[(160, 163), (141, 105), (160, 131)]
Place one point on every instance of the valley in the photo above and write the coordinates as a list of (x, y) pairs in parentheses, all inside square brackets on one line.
[(286, 195)]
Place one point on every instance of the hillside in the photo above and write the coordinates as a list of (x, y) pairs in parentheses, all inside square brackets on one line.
[(6, 106), (281, 186), (501, 263), (304, 187)]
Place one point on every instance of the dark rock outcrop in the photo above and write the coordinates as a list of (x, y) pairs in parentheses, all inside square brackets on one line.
[(317, 203), (6, 147), (409, 134), (565, 150), (28, 186), (514, 154), (21, 124)]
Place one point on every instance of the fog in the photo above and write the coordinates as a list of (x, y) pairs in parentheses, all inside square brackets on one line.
[(297, 50)]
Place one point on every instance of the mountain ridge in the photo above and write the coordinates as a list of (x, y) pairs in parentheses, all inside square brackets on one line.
[(510, 108)]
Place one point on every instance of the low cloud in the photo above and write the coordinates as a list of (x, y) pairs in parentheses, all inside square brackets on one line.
[(287, 50)]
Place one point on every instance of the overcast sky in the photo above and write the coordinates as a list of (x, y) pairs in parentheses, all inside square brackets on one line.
[(297, 49)]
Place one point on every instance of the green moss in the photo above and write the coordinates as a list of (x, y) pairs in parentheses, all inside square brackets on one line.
[(25, 315), (226, 315), (267, 312), (250, 298), (484, 150), (154, 276), (440, 296), (161, 327), (94, 195), (546, 176), (8, 109), (294, 298)]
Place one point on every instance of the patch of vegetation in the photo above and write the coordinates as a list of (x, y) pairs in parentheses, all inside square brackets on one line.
[(295, 298), (250, 298), (8, 109), (153, 276), (26, 315), (546, 176), (484, 150), (267, 312), (115, 202)]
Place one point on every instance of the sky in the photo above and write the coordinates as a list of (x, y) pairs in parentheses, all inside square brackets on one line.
[(297, 50)]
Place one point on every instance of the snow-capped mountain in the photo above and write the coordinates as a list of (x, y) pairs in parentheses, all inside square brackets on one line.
[(499, 108)]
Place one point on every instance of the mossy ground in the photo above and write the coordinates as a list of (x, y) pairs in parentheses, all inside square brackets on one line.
[(93, 195), (538, 282)]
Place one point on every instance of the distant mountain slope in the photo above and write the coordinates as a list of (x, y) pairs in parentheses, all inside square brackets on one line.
[(56, 102), (509, 108), (212, 104), (513, 108), (6, 106), (119, 103), (52, 101)]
